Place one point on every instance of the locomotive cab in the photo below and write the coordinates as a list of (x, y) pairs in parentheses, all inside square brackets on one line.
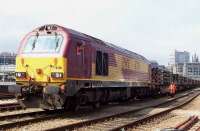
[(40, 60), (40, 65)]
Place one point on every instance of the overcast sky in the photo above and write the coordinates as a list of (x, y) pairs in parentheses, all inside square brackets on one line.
[(152, 28)]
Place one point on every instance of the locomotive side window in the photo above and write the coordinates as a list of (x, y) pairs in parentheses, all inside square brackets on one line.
[(101, 63), (105, 64)]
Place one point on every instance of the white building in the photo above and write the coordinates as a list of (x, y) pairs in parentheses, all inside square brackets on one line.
[(7, 66), (179, 57), (192, 70), (178, 68), (188, 69)]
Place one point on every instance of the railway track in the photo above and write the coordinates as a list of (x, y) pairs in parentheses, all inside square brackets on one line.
[(195, 126), (167, 122), (15, 120), (185, 118), (190, 124), (8, 102), (126, 119), (198, 129), (10, 106), (123, 120), (185, 125), (19, 120), (4, 95)]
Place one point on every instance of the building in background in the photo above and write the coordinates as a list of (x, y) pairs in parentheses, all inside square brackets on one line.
[(179, 57), (178, 68), (195, 59), (192, 70), (7, 66), (180, 64), (176, 61)]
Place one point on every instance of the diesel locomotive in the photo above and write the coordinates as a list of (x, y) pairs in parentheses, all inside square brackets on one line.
[(57, 67)]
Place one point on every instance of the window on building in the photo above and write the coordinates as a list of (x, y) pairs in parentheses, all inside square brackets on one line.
[(7, 60), (189, 70), (101, 63), (196, 71), (180, 69)]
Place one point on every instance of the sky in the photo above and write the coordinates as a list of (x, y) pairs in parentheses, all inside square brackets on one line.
[(152, 28)]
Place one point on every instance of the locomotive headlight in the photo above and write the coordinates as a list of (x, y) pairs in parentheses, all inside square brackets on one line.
[(20, 74), (57, 75)]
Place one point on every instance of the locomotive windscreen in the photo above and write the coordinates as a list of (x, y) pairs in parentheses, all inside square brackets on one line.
[(43, 44)]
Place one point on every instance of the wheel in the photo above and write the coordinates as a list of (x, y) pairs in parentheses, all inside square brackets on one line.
[(96, 105), (70, 104)]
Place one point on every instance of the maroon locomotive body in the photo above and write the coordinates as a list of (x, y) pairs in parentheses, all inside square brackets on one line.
[(64, 68)]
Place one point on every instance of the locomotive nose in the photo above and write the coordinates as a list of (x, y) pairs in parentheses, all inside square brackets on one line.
[(42, 70), (39, 71)]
